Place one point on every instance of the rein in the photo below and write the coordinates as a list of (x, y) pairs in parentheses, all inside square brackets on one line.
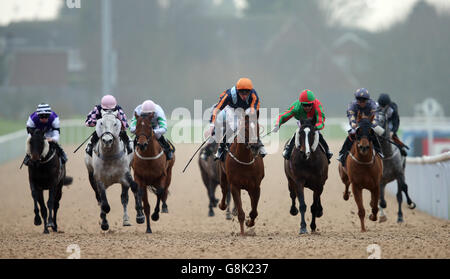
[(363, 163), (240, 162), (148, 158)]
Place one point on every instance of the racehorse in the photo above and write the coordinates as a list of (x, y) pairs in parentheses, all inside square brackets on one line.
[(393, 169), (243, 168), (110, 164), (45, 172), (151, 167), (209, 169), (364, 169), (307, 167)]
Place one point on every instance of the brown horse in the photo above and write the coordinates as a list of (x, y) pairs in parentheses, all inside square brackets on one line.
[(364, 169), (243, 169), (307, 167), (151, 167)]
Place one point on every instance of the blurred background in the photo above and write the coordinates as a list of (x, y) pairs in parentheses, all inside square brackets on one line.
[(69, 53)]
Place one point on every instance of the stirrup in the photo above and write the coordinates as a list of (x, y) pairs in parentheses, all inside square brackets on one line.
[(286, 154)]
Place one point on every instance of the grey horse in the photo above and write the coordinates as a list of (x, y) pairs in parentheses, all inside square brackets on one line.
[(394, 169), (110, 164)]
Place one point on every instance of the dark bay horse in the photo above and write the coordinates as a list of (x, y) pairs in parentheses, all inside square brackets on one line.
[(364, 169), (307, 167), (151, 167), (45, 172), (209, 169), (393, 169), (243, 169)]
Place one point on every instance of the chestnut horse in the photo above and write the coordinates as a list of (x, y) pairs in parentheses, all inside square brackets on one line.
[(243, 169), (364, 169), (151, 167), (307, 167)]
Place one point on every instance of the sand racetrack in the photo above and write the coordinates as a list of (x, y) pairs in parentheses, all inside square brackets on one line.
[(187, 232)]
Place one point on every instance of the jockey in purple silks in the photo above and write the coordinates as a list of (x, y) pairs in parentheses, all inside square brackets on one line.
[(45, 120), (108, 103)]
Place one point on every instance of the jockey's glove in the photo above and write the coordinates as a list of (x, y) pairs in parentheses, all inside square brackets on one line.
[(275, 129), (378, 130)]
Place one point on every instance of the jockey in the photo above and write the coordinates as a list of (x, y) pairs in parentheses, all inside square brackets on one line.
[(46, 120), (108, 103), (240, 96), (307, 106), (159, 124), (364, 105), (391, 109)]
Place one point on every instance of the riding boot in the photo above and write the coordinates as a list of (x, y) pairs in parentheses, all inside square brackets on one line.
[(61, 153), (288, 149), (262, 151), (124, 137), (400, 145), (166, 146), (92, 143), (325, 145), (26, 160), (377, 147), (221, 151), (344, 151)]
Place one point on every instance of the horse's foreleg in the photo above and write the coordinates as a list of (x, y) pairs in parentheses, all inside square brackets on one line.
[(399, 200), (316, 210), (374, 202), (164, 208), (236, 192), (357, 193), (302, 207), (291, 186), (94, 187), (404, 187), (105, 208), (124, 199), (146, 208), (212, 199), (40, 198), (37, 218), (382, 203), (140, 219), (159, 193), (50, 205), (254, 198), (58, 196)]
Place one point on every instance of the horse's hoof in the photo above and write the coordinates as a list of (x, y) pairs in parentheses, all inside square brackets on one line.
[(140, 219), (50, 225), (303, 231), (106, 208), (37, 221), (55, 229), (164, 209), (215, 202), (211, 213), (399, 220), (383, 219), (373, 217), (222, 206), (249, 223), (383, 204), (105, 226), (46, 231), (293, 211), (319, 214), (412, 205), (346, 196), (148, 231), (155, 216), (228, 216), (126, 223)]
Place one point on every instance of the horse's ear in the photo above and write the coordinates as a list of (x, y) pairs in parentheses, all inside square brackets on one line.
[(136, 115)]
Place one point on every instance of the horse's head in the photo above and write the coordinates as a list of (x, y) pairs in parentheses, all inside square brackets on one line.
[(248, 129), (108, 129), (37, 145), (364, 132), (144, 129), (306, 137)]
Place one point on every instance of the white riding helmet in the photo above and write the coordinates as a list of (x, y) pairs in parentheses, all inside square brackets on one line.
[(108, 102), (148, 106)]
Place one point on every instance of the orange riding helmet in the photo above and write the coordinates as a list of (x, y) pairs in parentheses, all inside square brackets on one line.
[(244, 83)]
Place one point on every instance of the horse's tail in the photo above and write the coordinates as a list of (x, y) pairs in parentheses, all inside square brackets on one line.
[(67, 180)]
